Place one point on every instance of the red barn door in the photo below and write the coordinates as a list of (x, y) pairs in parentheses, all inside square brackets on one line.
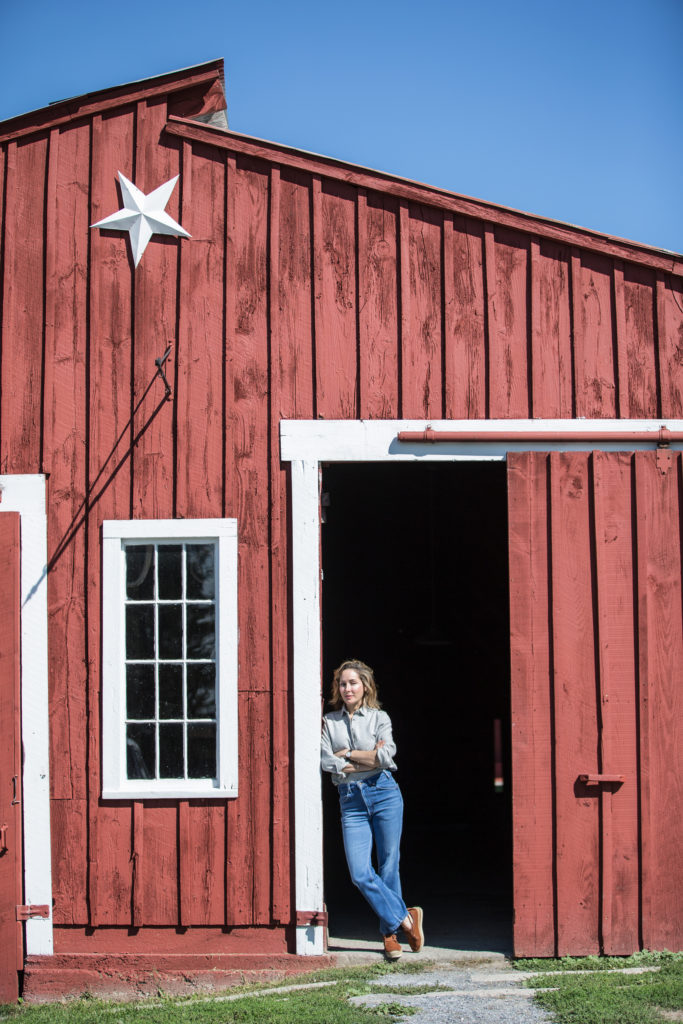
[(11, 948), (597, 674)]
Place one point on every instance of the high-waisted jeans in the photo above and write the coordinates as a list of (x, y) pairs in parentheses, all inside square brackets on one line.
[(372, 809)]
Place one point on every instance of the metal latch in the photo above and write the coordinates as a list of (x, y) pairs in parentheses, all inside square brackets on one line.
[(25, 913), (595, 780)]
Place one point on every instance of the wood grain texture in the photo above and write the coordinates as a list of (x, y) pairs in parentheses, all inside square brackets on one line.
[(660, 645), (295, 362), (639, 297), (64, 417), (615, 580), (593, 332), (199, 349), (109, 487), (11, 946), (465, 357), (576, 729), (421, 343), (551, 356), (334, 218), (248, 864), (22, 340), (279, 601), (669, 307), (531, 706), (506, 289), (378, 306)]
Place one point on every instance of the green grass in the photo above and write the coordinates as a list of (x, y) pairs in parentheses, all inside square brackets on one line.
[(329, 1004), (603, 998)]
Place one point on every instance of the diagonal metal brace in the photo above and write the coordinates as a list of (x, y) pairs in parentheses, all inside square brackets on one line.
[(159, 363)]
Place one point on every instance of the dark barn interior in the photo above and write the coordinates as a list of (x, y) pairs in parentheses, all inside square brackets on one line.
[(416, 584)]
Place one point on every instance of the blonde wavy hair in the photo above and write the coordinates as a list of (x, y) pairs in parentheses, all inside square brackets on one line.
[(367, 677)]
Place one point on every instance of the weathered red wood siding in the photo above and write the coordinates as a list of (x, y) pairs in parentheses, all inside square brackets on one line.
[(595, 546), (309, 289)]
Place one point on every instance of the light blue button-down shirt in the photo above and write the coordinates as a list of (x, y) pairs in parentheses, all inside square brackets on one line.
[(361, 731)]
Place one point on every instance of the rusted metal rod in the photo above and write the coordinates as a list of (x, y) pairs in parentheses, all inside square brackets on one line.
[(663, 436)]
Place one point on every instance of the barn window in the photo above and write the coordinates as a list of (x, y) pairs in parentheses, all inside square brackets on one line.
[(169, 658)]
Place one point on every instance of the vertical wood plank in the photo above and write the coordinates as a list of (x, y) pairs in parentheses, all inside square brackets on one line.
[(465, 326), (421, 344), (612, 474), (299, 269), (576, 734), (660, 643), (199, 471), (669, 310), (23, 308), (595, 380), (552, 384), (335, 300), (378, 306), (153, 478), (281, 908), (531, 706), (64, 417), (249, 880), (506, 287), (639, 343), (404, 300), (622, 367), (110, 360), (138, 859), (11, 945)]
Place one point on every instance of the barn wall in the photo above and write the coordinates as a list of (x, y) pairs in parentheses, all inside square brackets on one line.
[(302, 294)]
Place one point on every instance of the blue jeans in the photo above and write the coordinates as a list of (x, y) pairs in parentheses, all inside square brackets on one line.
[(372, 809)]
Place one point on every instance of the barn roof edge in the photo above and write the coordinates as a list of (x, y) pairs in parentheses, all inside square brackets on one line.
[(416, 191), (89, 103)]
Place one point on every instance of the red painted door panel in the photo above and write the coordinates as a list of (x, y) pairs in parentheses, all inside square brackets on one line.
[(597, 673), (11, 948)]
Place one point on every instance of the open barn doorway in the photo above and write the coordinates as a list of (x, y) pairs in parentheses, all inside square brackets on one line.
[(415, 583)]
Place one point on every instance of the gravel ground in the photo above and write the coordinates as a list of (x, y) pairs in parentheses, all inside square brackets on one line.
[(476, 996)]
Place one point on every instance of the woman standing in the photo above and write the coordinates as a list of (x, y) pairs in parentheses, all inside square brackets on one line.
[(358, 750)]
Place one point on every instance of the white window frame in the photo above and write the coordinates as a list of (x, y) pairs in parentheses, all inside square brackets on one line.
[(115, 533)]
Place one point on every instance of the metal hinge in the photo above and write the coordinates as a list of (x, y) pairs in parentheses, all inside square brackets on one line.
[(24, 913), (311, 917)]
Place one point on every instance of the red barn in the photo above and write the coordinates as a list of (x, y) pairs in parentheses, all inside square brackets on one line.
[(285, 410)]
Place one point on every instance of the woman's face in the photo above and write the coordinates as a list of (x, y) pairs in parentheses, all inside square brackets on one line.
[(351, 689)]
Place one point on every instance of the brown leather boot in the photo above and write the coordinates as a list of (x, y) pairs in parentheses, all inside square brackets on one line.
[(392, 947), (415, 934)]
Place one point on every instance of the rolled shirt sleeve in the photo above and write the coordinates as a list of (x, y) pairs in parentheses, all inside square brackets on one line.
[(328, 762)]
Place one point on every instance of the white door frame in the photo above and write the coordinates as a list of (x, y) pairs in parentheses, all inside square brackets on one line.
[(25, 494), (307, 444)]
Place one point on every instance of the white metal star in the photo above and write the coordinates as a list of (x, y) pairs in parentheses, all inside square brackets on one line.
[(143, 216)]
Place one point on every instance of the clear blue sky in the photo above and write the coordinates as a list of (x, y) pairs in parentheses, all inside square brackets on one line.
[(572, 111)]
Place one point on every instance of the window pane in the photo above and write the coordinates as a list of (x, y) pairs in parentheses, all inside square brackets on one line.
[(169, 568), (201, 751), (139, 631), (141, 751), (140, 691), (200, 571), (201, 631), (201, 691), (170, 631), (171, 751), (140, 572), (170, 691)]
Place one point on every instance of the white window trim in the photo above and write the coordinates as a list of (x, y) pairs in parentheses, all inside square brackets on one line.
[(25, 494), (307, 444), (115, 785)]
